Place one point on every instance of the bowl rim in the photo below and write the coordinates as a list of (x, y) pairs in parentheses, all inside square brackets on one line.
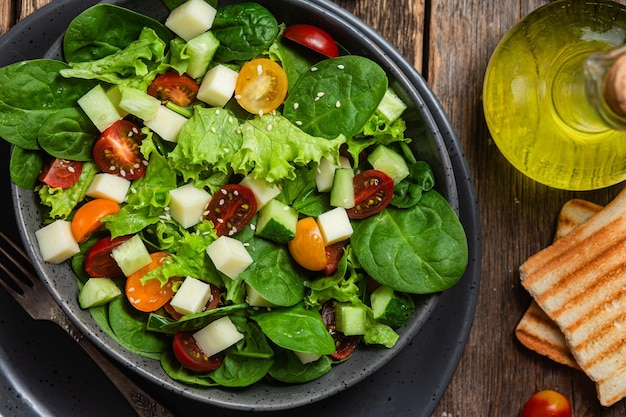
[(425, 101)]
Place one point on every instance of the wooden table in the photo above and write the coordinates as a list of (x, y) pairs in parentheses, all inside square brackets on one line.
[(450, 42)]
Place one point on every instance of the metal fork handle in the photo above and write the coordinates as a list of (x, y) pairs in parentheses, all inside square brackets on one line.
[(143, 403)]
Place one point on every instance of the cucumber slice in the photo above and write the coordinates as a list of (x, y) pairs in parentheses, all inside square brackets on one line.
[(342, 191), (139, 103), (390, 162), (391, 106), (350, 319), (98, 106), (390, 307), (131, 255), (277, 222), (201, 50), (97, 291)]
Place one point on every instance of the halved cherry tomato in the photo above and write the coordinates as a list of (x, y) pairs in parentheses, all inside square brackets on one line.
[(61, 173), (151, 295), (191, 356), (98, 260), (334, 253), (373, 191), (117, 150), (231, 209), (180, 89), (87, 218), (547, 403), (344, 345), (313, 38), (261, 86), (307, 247)]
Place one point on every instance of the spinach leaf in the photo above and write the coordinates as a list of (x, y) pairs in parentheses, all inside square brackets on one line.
[(421, 178), (129, 325), (296, 328), (336, 96), (69, 134), (418, 250), (244, 31), (190, 322), (104, 29), (273, 273), (24, 167), (288, 368), (30, 92)]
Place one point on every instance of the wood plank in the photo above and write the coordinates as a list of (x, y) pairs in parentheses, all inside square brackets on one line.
[(7, 16), (27, 7)]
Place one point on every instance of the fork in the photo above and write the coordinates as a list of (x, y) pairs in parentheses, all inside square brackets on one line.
[(21, 281)]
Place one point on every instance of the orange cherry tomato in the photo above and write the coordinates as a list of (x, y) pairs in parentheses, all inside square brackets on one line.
[(307, 247), (152, 295), (547, 403), (261, 86), (87, 218)]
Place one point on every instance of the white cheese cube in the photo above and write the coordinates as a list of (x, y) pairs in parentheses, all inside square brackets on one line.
[(192, 296), (334, 225), (229, 256), (98, 106), (105, 185), (218, 86), (306, 357), (254, 299), (191, 18), (263, 192), (325, 173), (187, 204), (217, 336), (56, 242), (167, 123)]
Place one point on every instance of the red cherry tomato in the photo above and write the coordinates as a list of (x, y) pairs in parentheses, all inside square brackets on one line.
[(231, 209), (261, 86), (117, 150), (98, 260), (172, 86), (373, 191), (313, 38), (334, 253), (547, 403), (61, 173), (191, 356)]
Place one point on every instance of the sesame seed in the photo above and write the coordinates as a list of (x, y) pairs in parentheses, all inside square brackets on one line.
[(296, 105), (298, 122), (237, 96), (224, 191), (217, 111), (213, 129), (313, 69), (259, 69), (321, 94), (71, 169), (338, 104), (253, 226), (122, 173), (222, 201), (269, 127), (340, 66)]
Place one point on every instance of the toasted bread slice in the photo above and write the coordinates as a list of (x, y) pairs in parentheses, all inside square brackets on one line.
[(580, 283), (536, 330)]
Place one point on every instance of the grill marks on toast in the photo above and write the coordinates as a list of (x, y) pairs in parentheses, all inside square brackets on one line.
[(580, 283)]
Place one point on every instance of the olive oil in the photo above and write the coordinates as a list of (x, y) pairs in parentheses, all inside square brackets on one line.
[(543, 102)]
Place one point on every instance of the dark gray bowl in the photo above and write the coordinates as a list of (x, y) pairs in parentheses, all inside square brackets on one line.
[(426, 121)]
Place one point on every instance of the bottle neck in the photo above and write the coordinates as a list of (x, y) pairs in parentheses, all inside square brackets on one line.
[(605, 74)]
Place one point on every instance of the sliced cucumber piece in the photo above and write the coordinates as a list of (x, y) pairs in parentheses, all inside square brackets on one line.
[(391, 106), (98, 106), (139, 103), (390, 162), (201, 50), (342, 191), (390, 307), (131, 255), (277, 222), (350, 319), (97, 291)]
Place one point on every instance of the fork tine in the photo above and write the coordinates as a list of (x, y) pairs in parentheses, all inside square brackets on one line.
[(26, 276)]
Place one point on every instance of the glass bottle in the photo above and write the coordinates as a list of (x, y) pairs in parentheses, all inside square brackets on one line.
[(551, 94)]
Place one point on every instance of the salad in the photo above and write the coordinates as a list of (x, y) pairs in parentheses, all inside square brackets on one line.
[(237, 196)]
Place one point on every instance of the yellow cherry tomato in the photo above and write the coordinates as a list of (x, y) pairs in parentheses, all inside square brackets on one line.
[(261, 86), (87, 218), (307, 247)]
